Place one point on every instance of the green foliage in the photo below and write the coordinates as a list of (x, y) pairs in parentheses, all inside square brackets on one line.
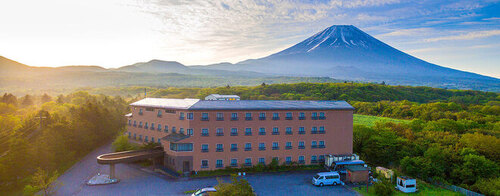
[(122, 143), (488, 186), (383, 188), (238, 186), (44, 182)]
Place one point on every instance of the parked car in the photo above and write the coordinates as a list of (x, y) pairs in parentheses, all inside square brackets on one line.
[(204, 191), (326, 178)]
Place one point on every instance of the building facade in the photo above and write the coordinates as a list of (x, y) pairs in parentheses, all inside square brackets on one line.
[(206, 135)]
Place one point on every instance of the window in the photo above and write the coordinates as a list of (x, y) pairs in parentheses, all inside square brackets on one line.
[(181, 147), (262, 131), (129, 122), (321, 158), (219, 164), (181, 116), (159, 113), (159, 127), (219, 132), (314, 144), (174, 130), (135, 136), (129, 134), (135, 123), (146, 138), (159, 140), (234, 116), (276, 131), (262, 161), (288, 145), (140, 124), (314, 159), (204, 116), (248, 146), (204, 163), (140, 111), (262, 116), (234, 147), (301, 145), (288, 116), (234, 162), (322, 116), (152, 139), (150, 109), (140, 137), (190, 116), (220, 116), (321, 144), (288, 160), (314, 130), (234, 131), (302, 116), (276, 116), (204, 132), (276, 146), (145, 125), (314, 116), (321, 130), (152, 126), (288, 131), (248, 162), (302, 130), (166, 129), (189, 132), (301, 160), (204, 148), (220, 148), (262, 146), (248, 131), (248, 116)]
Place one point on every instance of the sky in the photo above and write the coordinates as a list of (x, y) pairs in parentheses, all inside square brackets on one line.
[(463, 35)]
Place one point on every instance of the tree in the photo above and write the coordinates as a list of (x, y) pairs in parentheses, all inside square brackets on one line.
[(43, 181), (383, 188), (238, 186), (46, 98), (27, 100), (9, 99), (476, 167), (121, 143)]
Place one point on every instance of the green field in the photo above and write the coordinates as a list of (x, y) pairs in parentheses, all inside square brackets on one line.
[(371, 120), (423, 189)]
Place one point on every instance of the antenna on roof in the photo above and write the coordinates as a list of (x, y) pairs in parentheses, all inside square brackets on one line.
[(145, 94)]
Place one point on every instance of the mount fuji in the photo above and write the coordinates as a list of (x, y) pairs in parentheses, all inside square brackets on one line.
[(345, 52)]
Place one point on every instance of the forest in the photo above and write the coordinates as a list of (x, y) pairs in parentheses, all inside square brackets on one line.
[(49, 134), (444, 136)]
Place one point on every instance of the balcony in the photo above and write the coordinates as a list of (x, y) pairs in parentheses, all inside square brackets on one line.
[(276, 147), (234, 119), (321, 146), (219, 119), (248, 164), (204, 166), (322, 118), (248, 149), (140, 113), (219, 134), (204, 134), (314, 118), (302, 132), (262, 148), (321, 132), (275, 133), (248, 133), (234, 134), (289, 118), (234, 164), (288, 147), (302, 147), (302, 117), (135, 125), (140, 126), (181, 118), (262, 118), (302, 162), (289, 133), (262, 133), (234, 149), (314, 161), (314, 146), (314, 132), (219, 150), (276, 118), (248, 118), (219, 165), (159, 115), (204, 150), (204, 119)]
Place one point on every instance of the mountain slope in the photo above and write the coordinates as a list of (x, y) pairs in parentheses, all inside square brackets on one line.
[(345, 52)]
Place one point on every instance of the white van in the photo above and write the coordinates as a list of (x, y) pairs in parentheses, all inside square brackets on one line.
[(326, 178)]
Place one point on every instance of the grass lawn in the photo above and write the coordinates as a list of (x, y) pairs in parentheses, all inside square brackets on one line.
[(423, 189), (370, 120)]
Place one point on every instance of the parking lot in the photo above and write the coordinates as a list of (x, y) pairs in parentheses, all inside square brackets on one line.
[(135, 181)]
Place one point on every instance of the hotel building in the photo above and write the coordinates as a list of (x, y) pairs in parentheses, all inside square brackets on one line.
[(206, 135)]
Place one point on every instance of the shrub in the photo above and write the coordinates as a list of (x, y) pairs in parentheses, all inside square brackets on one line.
[(121, 143), (383, 188)]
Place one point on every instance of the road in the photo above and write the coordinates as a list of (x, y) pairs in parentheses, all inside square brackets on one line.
[(135, 181)]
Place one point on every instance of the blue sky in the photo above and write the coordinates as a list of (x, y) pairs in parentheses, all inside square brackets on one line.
[(459, 34)]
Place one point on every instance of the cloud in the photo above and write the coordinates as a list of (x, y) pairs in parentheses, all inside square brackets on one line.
[(407, 32), (466, 36)]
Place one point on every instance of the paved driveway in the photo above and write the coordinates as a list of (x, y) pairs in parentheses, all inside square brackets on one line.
[(135, 181)]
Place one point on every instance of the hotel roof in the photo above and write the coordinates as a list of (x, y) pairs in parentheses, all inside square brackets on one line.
[(196, 104)]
